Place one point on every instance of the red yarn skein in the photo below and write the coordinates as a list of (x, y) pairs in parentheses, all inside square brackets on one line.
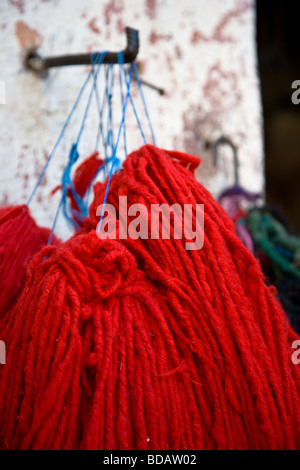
[(20, 240), (141, 344)]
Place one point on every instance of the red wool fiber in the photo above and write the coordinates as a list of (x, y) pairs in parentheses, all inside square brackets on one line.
[(20, 240), (141, 344)]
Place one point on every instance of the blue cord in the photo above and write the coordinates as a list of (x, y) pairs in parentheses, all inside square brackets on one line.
[(106, 96), (99, 63), (101, 108), (132, 103), (121, 62), (66, 178), (94, 59), (114, 154), (98, 104), (108, 141), (64, 128), (59, 138), (136, 72), (110, 123)]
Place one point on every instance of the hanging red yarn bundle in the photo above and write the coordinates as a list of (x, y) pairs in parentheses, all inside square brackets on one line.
[(85, 174), (141, 344), (20, 240)]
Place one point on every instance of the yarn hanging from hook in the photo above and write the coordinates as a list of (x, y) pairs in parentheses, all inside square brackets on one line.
[(105, 132)]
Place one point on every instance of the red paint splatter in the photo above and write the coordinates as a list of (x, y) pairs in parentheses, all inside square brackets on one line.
[(45, 155), (4, 200), (221, 88), (93, 46), (169, 61), (151, 9), (19, 4), (198, 127), (155, 37), (27, 36), (219, 33), (178, 52), (25, 180), (197, 36), (93, 26), (120, 26), (112, 7)]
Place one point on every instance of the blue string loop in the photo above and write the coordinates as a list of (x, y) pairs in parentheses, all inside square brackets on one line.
[(114, 157), (94, 58), (104, 132), (67, 183), (128, 82), (136, 72)]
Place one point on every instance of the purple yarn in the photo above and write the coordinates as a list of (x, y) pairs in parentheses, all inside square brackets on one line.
[(231, 200), (239, 191)]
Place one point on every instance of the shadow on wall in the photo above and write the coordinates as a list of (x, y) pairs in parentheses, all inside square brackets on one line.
[(279, 62)]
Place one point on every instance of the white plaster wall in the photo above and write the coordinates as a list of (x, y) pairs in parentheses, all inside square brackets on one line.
[(202, 52)]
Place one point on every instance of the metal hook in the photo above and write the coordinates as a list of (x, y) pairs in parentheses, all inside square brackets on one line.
[(225, 140), (39, 64), (35, 60)]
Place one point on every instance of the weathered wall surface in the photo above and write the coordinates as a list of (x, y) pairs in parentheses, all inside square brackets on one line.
[(202, 52)]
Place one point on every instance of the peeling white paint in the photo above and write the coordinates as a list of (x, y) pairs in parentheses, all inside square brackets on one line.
[(202, 52)]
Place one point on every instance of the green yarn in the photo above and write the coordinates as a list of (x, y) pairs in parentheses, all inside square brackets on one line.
[(279, 246)]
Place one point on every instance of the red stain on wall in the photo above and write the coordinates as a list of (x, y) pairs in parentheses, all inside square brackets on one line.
[(155, 37), (197, 36), (170, 63), (219, 34), (112, 7), (92, 47), (197, 126), (120, 26), (93, 26), (178, 51), (4, 200), (19, 4), (221, 88), (27, 37), (25, 180), (151, 9)]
